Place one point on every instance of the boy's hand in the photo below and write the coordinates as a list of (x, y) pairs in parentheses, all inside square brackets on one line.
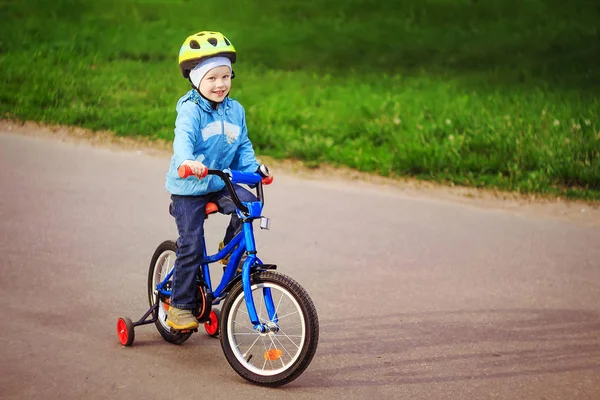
[(198, 169)]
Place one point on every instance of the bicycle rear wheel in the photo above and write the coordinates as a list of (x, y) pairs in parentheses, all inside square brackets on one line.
[(161, 264), (279, 356)]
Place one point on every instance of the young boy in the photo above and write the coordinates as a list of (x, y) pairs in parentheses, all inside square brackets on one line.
[(210, 132)]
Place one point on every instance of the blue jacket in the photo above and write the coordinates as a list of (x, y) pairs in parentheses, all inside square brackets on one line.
[(217, 138)]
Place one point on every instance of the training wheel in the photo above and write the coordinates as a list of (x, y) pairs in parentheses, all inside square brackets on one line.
[(125, 331), (212, 325)]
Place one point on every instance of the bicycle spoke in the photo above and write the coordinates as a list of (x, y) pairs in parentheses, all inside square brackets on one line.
[(288, 338), (242, 342), (287, 315), (274, 346), (290, 327), (251, 346), (243, 325), (278, 304), (267, 349)]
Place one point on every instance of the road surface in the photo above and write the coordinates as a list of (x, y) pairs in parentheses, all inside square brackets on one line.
[(418, 298)]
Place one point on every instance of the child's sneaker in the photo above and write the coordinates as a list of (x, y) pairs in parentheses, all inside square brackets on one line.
[(225, 260), (179, 319)]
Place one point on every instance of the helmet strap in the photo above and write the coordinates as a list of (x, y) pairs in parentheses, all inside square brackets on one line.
[(213, 104)]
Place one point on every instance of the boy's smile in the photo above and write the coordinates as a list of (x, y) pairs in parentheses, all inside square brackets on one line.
[(215, 85)]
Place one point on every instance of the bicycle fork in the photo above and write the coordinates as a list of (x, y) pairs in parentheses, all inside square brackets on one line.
[(259, 326)]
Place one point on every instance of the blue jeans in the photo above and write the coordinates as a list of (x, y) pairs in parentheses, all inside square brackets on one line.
[(190, 213)]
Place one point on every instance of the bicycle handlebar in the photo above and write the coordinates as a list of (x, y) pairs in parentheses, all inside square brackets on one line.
[(264, 178)]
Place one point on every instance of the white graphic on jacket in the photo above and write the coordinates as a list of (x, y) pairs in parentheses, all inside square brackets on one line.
[(210, 130), (232, 132)]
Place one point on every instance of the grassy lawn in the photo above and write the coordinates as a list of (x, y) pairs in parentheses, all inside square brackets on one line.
[(495, 93)]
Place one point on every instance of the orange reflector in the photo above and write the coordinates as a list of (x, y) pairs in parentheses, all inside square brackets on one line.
[(273, 354)]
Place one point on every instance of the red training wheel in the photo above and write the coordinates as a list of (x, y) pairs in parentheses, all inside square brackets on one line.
[(212, 325), (125, 331)]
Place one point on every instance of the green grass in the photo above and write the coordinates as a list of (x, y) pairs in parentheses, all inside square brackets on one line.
[(500, 94)]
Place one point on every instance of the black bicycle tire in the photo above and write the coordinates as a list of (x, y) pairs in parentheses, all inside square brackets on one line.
[(312, 330), (167, 335)]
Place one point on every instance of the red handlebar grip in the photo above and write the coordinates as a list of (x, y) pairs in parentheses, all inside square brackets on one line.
[(267, 180), (184, 171)]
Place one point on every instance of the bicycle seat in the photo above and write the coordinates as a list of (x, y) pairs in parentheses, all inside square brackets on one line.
[(211, 208)]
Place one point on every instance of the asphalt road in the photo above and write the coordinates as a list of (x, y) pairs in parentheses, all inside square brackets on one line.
[(418, 298)]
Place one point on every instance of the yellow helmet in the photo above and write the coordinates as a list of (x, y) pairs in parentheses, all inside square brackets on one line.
[(202, 45)]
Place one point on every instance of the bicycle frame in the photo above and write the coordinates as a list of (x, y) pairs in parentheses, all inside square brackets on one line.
[(242, 242)]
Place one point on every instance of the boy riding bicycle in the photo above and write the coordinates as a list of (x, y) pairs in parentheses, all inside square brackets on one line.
[(210, 132)]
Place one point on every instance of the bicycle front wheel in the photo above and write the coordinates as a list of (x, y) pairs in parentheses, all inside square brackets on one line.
[(281, 354)]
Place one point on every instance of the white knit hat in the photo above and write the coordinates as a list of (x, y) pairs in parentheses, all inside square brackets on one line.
[(206, 65)]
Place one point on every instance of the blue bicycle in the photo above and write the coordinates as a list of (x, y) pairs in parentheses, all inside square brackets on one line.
[(267, 325)]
